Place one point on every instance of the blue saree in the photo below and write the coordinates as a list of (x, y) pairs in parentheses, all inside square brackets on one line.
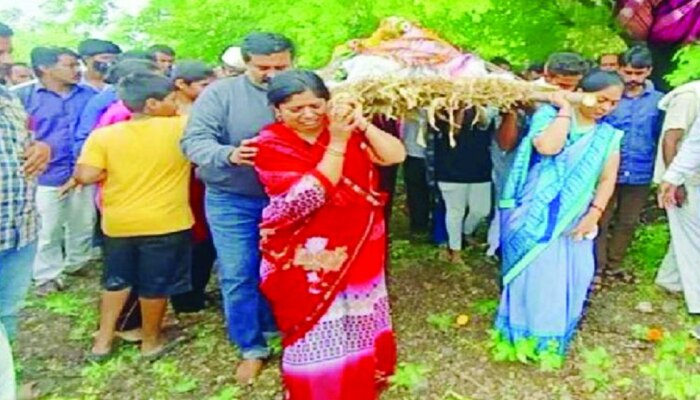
[(546, 274)]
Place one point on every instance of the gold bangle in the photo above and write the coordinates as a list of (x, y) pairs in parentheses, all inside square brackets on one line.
[(335, 152)]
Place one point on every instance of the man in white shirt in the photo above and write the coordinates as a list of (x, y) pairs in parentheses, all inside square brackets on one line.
[(678, 173)]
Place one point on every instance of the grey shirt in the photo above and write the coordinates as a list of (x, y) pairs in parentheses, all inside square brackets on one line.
[(227, 112)]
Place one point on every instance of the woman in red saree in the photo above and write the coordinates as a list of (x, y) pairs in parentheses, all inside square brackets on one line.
[(323, 241)]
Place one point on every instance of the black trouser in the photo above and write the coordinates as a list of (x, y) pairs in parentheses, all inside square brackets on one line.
[(203, 257), (417, 193)]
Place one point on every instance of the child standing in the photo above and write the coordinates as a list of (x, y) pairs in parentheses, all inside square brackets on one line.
[(146, 214)]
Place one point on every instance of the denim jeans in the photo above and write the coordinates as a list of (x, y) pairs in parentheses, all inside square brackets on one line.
[(15, 278), (233, 221)]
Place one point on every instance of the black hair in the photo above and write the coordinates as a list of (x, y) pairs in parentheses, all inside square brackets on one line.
[(93, 47), (48, 57), (501, 60), (597, 80), (289, 83), (135, 55), (127, 67), (160, 48), (135, 89), (6, 31), (566, 64), (192, 71), (638, 56), (536, 67), (265, 43)]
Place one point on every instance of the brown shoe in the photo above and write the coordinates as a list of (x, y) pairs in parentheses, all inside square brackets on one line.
[(248, 371)]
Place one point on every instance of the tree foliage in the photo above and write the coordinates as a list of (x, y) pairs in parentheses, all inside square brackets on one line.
[(688, 61), (66, 23), (520, 30)]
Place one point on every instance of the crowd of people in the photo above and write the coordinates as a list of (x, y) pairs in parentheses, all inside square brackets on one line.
[(162, 169)]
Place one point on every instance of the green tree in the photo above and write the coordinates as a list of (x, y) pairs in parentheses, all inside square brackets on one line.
[(66, 23), (688, 59), (521, 30)]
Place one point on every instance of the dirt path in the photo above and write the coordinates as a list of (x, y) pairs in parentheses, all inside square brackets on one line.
[(440, 359)]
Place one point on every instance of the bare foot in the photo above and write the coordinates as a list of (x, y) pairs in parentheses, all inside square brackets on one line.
[(248, 371), (445, 255), (102, 345), (152, 346), (455, 257)]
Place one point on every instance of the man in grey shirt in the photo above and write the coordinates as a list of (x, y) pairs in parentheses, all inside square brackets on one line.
[(219, 139)]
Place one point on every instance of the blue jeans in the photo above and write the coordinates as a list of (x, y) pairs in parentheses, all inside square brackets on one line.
[(233, 221), (15, 278)]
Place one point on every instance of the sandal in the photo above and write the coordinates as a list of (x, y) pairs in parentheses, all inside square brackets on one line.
[(91, 356), (167, 347), (99, 358)]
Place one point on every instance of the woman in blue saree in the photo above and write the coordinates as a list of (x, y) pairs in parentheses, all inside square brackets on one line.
[(563, 175)]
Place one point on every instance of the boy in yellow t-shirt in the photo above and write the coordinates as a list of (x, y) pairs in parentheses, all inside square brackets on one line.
[(146, 213)]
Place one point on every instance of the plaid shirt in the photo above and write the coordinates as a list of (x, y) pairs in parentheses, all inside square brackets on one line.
[(18, 215)]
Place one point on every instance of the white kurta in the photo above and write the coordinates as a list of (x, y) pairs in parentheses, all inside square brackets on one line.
[(680, 269)]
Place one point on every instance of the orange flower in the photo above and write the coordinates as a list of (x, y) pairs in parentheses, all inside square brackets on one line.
[(462, 320), (655, 334)]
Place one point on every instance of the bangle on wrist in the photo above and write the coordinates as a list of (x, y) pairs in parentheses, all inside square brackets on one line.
[(598, 208), (335, 152)]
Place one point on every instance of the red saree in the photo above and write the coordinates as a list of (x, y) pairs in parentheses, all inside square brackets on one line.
[(323, 252)]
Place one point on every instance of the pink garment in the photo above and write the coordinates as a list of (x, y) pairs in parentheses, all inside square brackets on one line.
[(417, 48), (661, 21), (117, 112)]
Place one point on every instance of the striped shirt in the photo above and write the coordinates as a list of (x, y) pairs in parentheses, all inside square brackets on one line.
[(18, 214)]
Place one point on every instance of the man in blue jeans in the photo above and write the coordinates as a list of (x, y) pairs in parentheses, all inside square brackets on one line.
[(21, 161), (639, 117), (219, 139)]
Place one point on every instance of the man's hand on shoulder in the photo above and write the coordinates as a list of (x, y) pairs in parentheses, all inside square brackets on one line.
[(245, 153)]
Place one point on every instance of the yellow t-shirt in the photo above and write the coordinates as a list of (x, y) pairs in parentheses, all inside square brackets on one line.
[(146, 191)]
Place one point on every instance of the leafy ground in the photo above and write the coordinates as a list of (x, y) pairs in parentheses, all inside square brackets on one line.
[(442, 315)]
